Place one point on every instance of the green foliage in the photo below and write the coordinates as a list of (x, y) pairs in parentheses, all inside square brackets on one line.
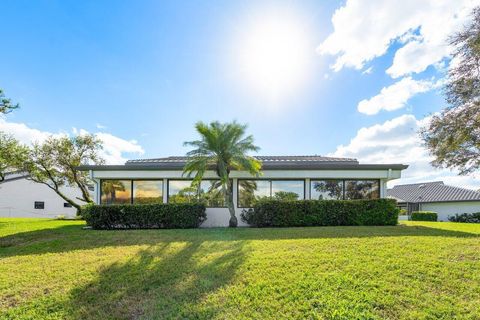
[(145, 216), (6, 105), (424, 216), (55, 163), (273, 213), (466, 217), (403, 212), (223, 147), (52, 269), (452, 136), (12, 154)]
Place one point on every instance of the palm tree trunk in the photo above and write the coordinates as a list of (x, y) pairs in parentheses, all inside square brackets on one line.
[(233, 222)]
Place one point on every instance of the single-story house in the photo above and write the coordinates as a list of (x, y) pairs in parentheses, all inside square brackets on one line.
[(435, 196), (23, 198), (283, 177)]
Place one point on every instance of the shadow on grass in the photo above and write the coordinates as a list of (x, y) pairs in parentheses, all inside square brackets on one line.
[(69, 238), (165, 281)]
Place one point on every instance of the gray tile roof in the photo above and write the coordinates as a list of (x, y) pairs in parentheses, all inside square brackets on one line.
[(314, 162), (435, 191), (264, 159)]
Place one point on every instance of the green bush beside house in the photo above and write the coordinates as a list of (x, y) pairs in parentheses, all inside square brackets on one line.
[(424, 216), (272, 213), (145, 216)]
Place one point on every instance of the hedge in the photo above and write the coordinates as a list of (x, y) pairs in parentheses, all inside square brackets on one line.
[(301, 213), (145, 216), (424, 216), (466, 217)]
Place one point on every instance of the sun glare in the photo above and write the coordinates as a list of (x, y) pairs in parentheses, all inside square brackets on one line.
[(273, 56)]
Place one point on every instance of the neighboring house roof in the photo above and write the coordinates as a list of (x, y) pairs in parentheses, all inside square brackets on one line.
[(14, 176), (435, 191), (314, 162)]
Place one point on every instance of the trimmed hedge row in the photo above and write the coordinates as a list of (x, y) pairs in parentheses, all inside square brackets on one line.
[(145, 216), (466, 217), (301, 213), (424, 216)]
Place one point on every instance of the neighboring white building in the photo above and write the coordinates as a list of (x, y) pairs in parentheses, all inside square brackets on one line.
[(436, 196), (293, 177), (20, 197)]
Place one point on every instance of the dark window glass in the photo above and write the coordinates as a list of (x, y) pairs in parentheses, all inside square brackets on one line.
[(208, 192), (67, 205), (116, 191), (250, 191), (39, 205), (362, 189), (326, 189), (147, 191), (288, 189)]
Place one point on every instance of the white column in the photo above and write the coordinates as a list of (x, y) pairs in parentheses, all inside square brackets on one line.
[(307, 188), (235, 191), (383, 188), (165, 190)]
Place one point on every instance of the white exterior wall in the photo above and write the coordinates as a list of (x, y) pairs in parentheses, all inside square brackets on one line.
[(219, 217), (17, 198), (446, 209)]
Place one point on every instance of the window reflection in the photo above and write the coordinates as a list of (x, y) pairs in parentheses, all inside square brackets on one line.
[(362, 189), (115, 191), (208, 192), (326, 189), (147, 191), (288, 190), (252, 191)]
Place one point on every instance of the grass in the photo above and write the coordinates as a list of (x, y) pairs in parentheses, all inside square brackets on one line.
[(418, 270)]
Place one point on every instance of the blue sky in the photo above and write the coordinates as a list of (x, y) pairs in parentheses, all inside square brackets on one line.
[(141, 73)]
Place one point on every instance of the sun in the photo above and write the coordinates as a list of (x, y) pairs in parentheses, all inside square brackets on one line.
[(273, 55)]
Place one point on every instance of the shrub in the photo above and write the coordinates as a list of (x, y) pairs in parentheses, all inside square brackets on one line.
[(466, 217), (145, 216), (274, 213), (403, 212), (424, 216), (60, 217)]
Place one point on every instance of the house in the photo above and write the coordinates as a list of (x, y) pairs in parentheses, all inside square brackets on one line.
[(435, 196), (21, 197), (283, 177)]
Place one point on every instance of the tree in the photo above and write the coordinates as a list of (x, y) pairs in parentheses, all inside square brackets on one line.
[(54, 163), (453, 136), (6, 105), (223, 147), (12, 154)]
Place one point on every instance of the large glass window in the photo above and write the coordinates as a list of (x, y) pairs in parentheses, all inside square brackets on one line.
[(115, 191), (208, 192), (251, 191), (288, 189), (147, 191), (326, 189), (362, 189)]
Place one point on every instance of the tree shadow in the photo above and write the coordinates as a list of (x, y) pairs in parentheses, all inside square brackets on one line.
[(165, 281), (73, 237)]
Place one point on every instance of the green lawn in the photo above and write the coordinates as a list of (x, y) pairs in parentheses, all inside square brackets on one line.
[(55, 270)]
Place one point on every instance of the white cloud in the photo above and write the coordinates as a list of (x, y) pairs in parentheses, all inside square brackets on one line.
[(114, 148), (395, 96), (100, 126), (365, 29), (397, 141), (368, 70)]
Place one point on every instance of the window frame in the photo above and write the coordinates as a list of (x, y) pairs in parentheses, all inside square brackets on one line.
[(270, 180), (186, 179), (41, 204), (148, 179), (131, 187), (344, 180)]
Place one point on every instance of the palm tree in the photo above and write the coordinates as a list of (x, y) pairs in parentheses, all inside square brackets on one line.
[(223, 147)]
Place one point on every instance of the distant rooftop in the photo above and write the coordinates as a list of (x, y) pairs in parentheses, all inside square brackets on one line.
[(435, 191)]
